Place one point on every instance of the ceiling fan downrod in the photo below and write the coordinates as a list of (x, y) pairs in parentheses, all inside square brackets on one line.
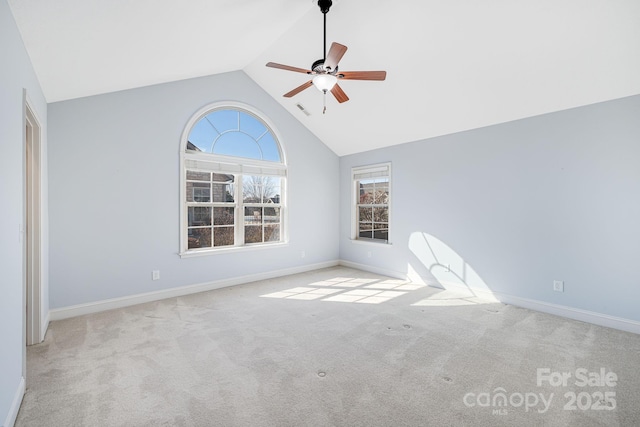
[(325, 5)]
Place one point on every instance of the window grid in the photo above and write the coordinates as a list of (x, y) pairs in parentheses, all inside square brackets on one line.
[(211, 210), (371, 203), (215, 212), (233, 222)]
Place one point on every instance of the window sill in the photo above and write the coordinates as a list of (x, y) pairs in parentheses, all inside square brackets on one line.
[(208, 252), (371, 242)]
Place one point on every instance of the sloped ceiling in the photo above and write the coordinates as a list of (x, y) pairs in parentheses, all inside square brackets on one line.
[(452, 65)]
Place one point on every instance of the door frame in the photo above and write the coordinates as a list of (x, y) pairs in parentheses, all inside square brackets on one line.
[(32, 230)]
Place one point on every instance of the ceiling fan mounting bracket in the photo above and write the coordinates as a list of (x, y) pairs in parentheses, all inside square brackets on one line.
[(325, 5)]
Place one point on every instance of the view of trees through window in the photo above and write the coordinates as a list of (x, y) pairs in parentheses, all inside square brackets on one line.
[(370, 213), (261, 197), (213, 205), (372, 208)]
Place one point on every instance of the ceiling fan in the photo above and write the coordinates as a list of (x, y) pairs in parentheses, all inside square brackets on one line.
[(325, 71)]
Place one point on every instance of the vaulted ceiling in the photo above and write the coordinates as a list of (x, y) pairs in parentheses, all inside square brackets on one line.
[(452, 65)]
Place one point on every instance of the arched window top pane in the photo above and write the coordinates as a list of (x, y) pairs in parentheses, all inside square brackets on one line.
[(234, 132)]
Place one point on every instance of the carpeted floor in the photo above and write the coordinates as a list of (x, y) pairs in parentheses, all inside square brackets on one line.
[(333, 347)]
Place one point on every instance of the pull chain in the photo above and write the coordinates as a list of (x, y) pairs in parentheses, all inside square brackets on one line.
[(324, 101)]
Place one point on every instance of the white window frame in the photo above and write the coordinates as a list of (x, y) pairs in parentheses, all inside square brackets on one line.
[(239, 167), (378, 170)]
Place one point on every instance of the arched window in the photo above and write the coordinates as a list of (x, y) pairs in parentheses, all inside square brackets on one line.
[(233, 180)]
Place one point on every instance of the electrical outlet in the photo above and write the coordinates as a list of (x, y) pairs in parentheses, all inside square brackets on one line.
[(302, 254), (558, 285), (155, 275), (369, 254)]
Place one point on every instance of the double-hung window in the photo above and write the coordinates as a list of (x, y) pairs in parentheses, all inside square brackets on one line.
[(371, 190), (233, 182)]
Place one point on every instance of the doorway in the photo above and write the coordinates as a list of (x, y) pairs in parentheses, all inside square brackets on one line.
[(32, 228)]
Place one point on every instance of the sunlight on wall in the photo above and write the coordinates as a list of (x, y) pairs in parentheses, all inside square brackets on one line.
[(414, 276), (448, 268)]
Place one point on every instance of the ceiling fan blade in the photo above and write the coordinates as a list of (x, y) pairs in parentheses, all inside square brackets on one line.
[(339, 94), (288, 68), (336, 52), (362, 75), (298, 89)]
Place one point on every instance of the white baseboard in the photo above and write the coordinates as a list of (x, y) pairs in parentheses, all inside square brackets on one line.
[(45, 326), (15, 405), (110, 304), (587, 316), (374, 269), (593, 317), (544, 307)]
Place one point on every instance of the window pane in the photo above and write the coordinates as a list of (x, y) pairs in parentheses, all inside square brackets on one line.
[(252, 189), (222, 192), (223, 120), (365, 230), (252, 126), (253, 234), (381, 195), (365, 213), (366, 226), (365, 192), (199, 238), (223, 216), (198, 176), (223, 236), (270, 189), (381, 231), (201, 137), (381, 214), (261, 189), (272, 233), (237, 144), (271, 215), (199, 216), (253, 216), (269, 148), (198, 192), (381, 234)]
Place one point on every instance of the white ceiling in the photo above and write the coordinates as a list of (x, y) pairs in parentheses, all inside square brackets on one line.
[(452, 65)]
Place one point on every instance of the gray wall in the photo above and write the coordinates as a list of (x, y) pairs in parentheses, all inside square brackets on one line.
[(512, 207), (16, 74), (114, 184)]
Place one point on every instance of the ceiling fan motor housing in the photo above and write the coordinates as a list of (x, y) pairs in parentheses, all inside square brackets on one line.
[(318, 67)]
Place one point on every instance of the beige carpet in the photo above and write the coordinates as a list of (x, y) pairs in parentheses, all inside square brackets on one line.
[(334, 347)]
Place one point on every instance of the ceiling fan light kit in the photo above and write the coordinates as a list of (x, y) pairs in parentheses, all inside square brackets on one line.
[(325, 71), (324, 82)]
